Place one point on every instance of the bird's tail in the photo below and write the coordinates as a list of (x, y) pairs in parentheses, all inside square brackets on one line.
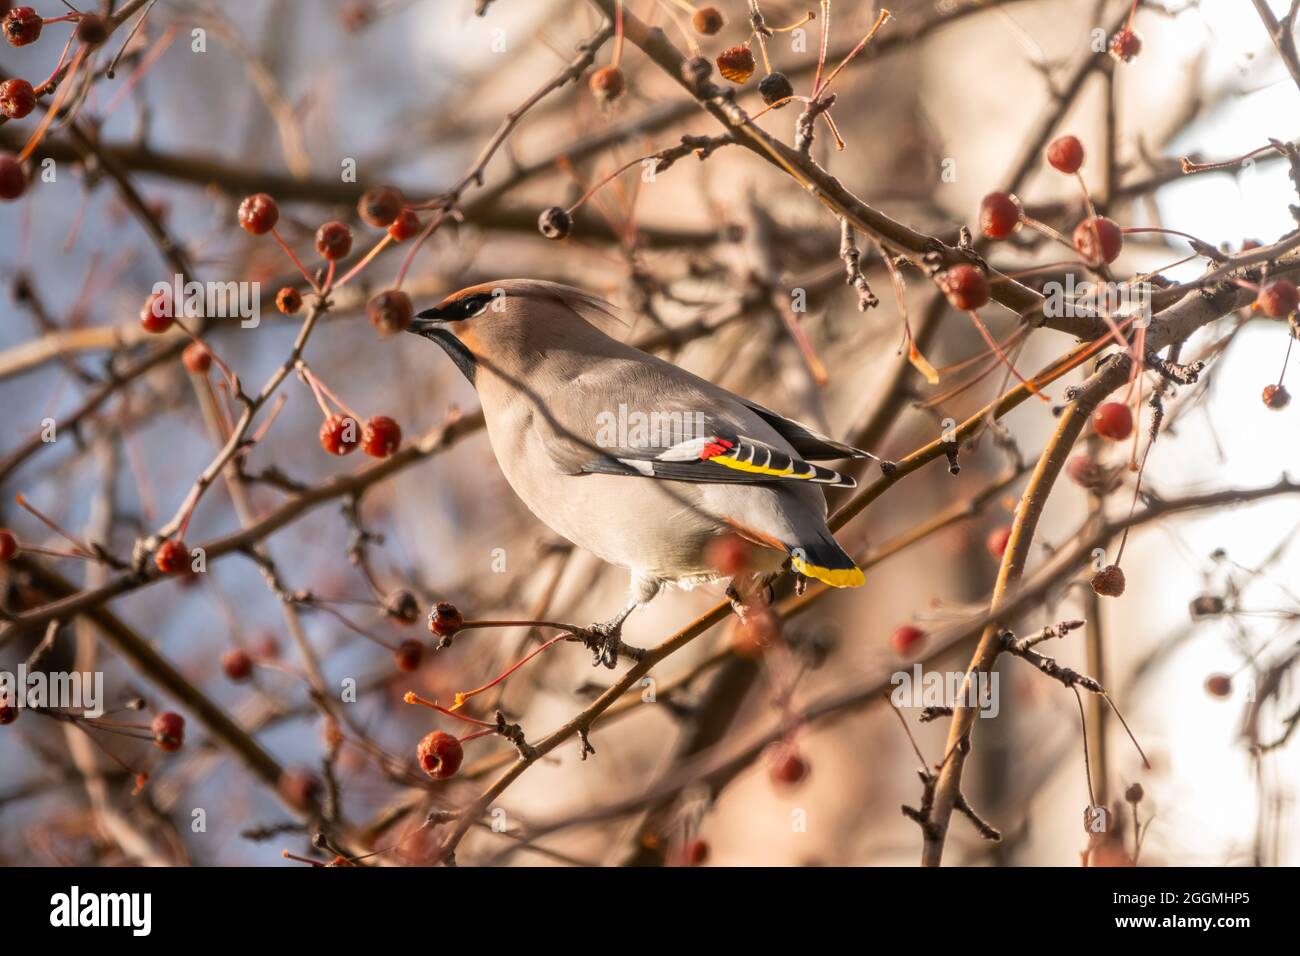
[(827, 562)]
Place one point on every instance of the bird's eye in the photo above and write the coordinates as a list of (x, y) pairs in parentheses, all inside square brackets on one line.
[(473, 305)]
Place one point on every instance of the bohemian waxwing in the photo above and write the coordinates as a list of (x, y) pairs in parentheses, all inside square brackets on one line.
[(628, 456)]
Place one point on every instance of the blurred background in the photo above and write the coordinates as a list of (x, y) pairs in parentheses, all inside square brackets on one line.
[(289, 97)]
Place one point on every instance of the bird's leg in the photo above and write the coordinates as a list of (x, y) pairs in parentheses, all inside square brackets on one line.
[(605, 640)]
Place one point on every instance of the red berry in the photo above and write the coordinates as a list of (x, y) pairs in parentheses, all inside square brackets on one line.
[(13, 181), (695, 853), (608, 83), (736, 64), (340, 434), (1109, 581), (445, 619), (197, 358), (408, 655), (237, 665), (390, 311), (1125, 45), (708, 21), (404, 226), (999, 215), (22, 26), (966, 287), (1218, 685), (1276, 397), (785, 767), (91, 29), (334, 240), (1065, 153), (906, 638), (440, 755), (258, 214), (1278, 299), (379, 206), (156, 316), (1098, 240), (288, 300), (168, 730), (8, 545), (382, 436), (17, 98), (728, 554), (298, 787), (1113, 420), (996, 542), (172, 557), (8, 712)]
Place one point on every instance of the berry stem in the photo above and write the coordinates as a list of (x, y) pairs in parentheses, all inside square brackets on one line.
[(378, 247), (44, 87), (883, 18), (617, 58), (293, 257), (463, 696), (39, 133), (411, 697), (1002, 356), (49, 523), (146, 63)]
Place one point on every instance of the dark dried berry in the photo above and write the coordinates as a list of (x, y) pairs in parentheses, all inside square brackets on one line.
[(91, 29), (22, 26), (333, 240), (736, 64), (402, 607), (8, 545), (1206, 605), (379, 206), (288, 300), (1278, 299), (238, 666), (172, 557), (390, 311), (555, 223), (608, 83), (774, 88), (1109, 581), (1276, 397), (13, 181), (1125, 45), (708, 21), (408, 655), (298, 787), (445, 619)]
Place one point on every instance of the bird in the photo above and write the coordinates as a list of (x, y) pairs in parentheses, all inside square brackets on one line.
[(633, 458)]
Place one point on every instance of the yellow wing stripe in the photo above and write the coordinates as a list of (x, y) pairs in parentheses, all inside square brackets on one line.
[(732, 462), (835, 577)]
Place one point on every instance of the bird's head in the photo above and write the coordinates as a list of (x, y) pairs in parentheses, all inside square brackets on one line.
[(507, 321)]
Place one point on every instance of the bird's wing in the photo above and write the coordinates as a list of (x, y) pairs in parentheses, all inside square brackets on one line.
[(807, 442), (654, 420)]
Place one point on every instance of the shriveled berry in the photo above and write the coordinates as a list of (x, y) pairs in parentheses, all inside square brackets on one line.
[(1218, 685), (156, 315), (22, 26), (1134, 793), (408, 655), (996, 542), (298, 787), (172, 557), (966, 287), (445, 619), (379, 206), (1109, 581), (736, 64), (168, 729), (390, 311), (1276, 397), (1113, 420), (1278, 299), (708, 21), (785, 766), (402, 607), (381, 437), (555, 223), (404, 226), (8, 545), (440, 755), (258, 214), (774, 88), (237, 665), (197, 358), (608, 83), (1206, 605), (999, 215), (1125, 45), (91, 29), (1098, 240), (1065, 153), (288, 300), (728, 554), (13, 180), (334, 240), (340, 434), (695, 72), (17, 98), (906, 638)]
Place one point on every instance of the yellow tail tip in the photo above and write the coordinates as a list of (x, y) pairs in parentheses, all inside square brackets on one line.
[(835, 577)]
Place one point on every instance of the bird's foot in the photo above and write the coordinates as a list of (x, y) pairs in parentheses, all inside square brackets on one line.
[(604, 641)]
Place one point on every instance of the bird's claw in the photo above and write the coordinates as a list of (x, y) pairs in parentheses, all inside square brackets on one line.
[(604, 641)]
